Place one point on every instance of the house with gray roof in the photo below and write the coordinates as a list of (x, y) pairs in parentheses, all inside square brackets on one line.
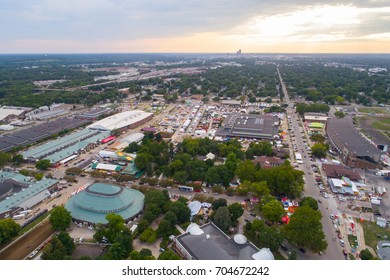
[(208, 242)]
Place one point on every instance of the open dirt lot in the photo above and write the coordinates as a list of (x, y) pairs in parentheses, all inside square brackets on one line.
[(28, 243)]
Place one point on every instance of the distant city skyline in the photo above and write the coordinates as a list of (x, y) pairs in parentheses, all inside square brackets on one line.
[(195, 26)]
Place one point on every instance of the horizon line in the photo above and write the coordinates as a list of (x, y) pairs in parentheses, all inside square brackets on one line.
[(183, 53)]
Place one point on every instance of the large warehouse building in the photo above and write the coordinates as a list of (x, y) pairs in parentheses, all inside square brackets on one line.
[(18, 192), (94, 203), (67, 146), (354, 150), (249, 126), (122, 121)]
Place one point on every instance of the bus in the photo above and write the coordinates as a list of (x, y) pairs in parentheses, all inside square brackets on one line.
[(298, 157), (186, 189)]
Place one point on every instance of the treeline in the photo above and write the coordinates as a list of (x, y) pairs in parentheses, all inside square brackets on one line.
[(317, 82), (303, 108)]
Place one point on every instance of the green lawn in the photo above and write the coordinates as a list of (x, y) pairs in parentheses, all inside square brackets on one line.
[(371, 232), (373, 110), (382, 124)]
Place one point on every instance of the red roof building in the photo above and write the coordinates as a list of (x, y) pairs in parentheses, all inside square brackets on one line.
[(339, 171)]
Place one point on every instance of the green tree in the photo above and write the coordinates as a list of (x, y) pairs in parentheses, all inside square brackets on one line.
[(339, 114), (366, 255), (73, 171), (8, 229), (60, 218), (43, 164), (309, 201), (171, 217), (317, 138), (168, 255), (165, 229), (116, 252), (220, 202), (305, 229), (54, 250), (149, 236), (180, 177), (319, 150), (182, 212), (67, 241), (142, 160), (273, 211), (125, 239), (38, 176), (246, 171), (235, 210), (222, 218), (4, 158), (115, 225), (262, 235), (260, 188), (159, 198), (132, 148), (17, 159)]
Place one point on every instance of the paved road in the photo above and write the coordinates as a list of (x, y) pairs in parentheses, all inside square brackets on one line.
[(334, 250)]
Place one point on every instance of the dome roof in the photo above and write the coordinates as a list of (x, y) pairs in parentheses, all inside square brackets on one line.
[(240, 239), (263, 254), (104, 189), (98, 200), (194, 229)]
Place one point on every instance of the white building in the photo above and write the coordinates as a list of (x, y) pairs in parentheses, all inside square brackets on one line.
[(124, 120)]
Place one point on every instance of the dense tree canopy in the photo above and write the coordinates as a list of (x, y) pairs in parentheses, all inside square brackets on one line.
[(43, 164), (309, 201), (222, 218), (319, 150), (8, 229), (60, 218), (273, 211), (305, 229), (262, 235)]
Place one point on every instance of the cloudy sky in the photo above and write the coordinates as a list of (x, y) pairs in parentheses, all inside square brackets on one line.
[(88, 26)]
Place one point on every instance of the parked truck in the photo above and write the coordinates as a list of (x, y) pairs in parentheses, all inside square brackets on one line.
[(19, 216)]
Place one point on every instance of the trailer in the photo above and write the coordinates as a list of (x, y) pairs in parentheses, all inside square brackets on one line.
[(19, 216), (25, 212)]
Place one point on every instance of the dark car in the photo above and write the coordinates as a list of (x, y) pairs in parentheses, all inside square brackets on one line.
[(319, 200), (339, 236), (246, 220), (283, 247), (345, 253), (302, 250), (253, 214)]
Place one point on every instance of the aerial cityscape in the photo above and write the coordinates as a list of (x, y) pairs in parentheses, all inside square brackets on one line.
[(242, 136)]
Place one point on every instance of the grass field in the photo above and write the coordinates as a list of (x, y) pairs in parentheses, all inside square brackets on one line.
[(382, 124), (373, 110), (371, 232)]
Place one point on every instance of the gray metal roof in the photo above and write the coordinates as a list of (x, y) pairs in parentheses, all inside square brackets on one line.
[(344, 131), (34, 188), (66, 146), (247, 125), (213, 244)]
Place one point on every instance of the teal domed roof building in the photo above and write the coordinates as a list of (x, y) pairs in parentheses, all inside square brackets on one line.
[(94, 203)]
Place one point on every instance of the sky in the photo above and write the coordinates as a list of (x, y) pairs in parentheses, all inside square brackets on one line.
[(194, 26)]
